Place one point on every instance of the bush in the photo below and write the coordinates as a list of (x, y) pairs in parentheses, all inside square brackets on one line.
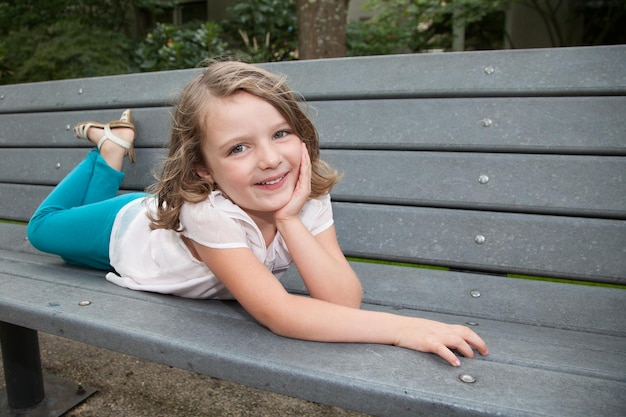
[(263, 30), (423, 25), (170, 47), (61, 50), (373, 38)]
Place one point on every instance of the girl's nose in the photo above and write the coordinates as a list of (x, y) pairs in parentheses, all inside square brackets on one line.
[(269, 156)]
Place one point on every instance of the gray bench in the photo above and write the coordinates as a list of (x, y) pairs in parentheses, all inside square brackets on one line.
[(484, 166)]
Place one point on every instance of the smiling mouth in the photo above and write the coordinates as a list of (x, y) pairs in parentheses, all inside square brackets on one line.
[(272, 182)]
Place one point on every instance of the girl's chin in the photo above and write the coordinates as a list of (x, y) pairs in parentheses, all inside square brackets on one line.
[(264, 202)]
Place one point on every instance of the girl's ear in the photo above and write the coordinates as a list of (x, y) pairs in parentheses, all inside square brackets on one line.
[(204, 173)]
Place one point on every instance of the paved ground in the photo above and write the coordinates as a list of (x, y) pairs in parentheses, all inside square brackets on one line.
[(131, 387)]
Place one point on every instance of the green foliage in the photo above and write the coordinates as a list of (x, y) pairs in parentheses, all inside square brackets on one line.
[(263, 30), (427, 24), (170, 47), (422, 25), (58, 39), (603, 21), (64, 49), (5, 70), (26, 14), (374, 38)]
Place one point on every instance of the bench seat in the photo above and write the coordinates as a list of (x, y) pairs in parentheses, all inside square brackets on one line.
[(551, 370)]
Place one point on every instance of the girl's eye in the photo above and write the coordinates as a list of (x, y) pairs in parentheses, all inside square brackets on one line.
[(280, 134), (237, 149)]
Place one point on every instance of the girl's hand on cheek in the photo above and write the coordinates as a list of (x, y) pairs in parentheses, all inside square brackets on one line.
[(301, 192)]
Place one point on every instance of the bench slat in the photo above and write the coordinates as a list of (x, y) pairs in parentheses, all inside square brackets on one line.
[(566, 185), (517, 125), (19, 202), (595, 249), (119, 91), (510, 300), (514, 243), (50, 166), (444, 292), (394, 382), (544, 72), (553, 184), (556, 71), (54, 130)]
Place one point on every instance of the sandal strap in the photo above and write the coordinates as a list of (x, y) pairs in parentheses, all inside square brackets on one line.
[(108, 135), (81, 129)]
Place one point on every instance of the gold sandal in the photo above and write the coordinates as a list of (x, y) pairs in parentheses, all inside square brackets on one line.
[(126, 120)]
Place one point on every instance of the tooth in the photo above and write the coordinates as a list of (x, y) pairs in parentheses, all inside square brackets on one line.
[(272, 182)]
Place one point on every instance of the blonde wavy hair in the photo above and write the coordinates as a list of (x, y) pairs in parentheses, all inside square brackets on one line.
[(178, 181)]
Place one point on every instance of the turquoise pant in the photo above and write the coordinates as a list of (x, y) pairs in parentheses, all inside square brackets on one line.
[(76, 219)]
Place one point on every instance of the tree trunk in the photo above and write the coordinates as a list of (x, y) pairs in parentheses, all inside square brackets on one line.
[(322, 28)]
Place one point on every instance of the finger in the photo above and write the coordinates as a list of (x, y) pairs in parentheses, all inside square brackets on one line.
[(306, 158), (469, 339), (477, 342), (447, 355), (464, 349), (305, 168)]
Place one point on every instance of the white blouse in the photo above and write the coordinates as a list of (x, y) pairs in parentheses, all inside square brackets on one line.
[(159, 261)]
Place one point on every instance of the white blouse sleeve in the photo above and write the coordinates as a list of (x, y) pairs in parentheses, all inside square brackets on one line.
[(317, 214), (211, 227)]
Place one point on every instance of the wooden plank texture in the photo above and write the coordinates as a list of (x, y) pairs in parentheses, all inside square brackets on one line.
[(562, 125), (555, 71), (509, 300), (540, 245), (515, 125), (566, 185), (19, 202), (513, 243), (553, 184), (54, 130)]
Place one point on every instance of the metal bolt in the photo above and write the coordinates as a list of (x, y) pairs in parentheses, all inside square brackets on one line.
[(471, 323), (468, 379), (68, 127), (483, 179), (479, 239), (58, 165), (486, 122), (475, 293), (80, 390), (80, 91), (489, 70), (84, 303), (2, 97)]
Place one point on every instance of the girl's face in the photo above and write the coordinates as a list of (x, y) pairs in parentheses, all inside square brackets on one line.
[(251, 153)]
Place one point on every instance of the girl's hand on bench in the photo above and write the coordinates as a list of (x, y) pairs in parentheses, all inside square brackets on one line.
[(439, 338)]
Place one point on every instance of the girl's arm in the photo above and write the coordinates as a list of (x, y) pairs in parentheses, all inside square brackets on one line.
[(319, 259), (322, 265), (262, 295)]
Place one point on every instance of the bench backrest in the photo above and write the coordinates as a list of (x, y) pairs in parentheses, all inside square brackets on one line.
[(503, 162)]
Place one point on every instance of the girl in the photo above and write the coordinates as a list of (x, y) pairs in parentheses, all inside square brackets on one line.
[(242, 194)]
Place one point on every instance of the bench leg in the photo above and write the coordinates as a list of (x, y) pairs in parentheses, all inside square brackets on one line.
[(28, 392), (22, 366)]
